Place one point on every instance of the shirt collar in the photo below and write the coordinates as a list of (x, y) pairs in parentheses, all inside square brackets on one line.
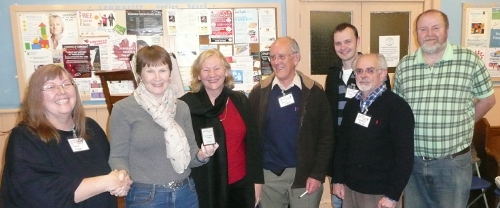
[(371, 97), (447, 55), (296, 81)]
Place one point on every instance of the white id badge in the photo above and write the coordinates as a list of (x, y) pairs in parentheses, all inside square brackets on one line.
[(78, 144), (286, 100), (208, 136), (351, 93), (363, 120)]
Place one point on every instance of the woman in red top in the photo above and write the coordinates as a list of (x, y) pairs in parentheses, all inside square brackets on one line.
[(234, 176)]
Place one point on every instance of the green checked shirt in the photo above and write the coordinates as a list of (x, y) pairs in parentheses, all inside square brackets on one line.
[(442, 98)]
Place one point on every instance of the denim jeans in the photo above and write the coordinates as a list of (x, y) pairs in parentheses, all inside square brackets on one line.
[(336, 201), (442, 183), (156, 196)]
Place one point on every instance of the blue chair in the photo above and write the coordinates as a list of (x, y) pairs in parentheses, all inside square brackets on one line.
[(479, 184)]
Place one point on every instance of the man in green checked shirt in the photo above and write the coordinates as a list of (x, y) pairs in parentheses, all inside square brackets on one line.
[(448, 89)]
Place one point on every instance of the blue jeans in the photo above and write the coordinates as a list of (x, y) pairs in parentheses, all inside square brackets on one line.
[(336, 201), (442, 183), (156, 196)]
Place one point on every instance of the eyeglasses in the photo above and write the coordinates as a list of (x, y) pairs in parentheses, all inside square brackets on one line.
[(54, 88), (368, 71), (281, 56)]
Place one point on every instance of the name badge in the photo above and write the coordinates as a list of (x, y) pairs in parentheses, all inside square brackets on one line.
[(363, 120), (78, 144), (351, 93), (286, 100), (208, 136)]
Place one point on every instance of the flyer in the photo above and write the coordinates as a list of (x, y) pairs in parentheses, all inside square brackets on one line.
[(76, 59), (144, 22), (96, 23), (122, 46), (221, 26), (246, 26)]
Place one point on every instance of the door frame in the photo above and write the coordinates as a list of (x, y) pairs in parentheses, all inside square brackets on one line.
[(294, 26)]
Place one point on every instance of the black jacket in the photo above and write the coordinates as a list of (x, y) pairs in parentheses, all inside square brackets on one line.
[(332, 91), (212, 178)]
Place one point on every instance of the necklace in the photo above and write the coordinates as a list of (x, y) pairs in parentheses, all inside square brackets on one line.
[(225, 111)]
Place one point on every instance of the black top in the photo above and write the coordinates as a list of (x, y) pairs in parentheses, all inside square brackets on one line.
[(332, 91), (377, 159), (211, 179), (39, 174)]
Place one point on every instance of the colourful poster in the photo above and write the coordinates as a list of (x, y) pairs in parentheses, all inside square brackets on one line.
[(76, 59), (99, 52), (100, 23), (34, 31), (221, 25), (122, 46)]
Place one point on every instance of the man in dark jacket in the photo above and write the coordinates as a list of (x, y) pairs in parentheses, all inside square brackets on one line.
[(340, 83), (296, 130), (374, 153)]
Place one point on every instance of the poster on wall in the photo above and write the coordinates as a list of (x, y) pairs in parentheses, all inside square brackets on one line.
[(34, 31), (96, 23), (63, 29), (246, 24), (267, 28), (34, 59), (477, 24), (144, 22), (76, 59), (188, 22), (242, 71), (101, 55), (389, 46), (221, 22), (121, 47)]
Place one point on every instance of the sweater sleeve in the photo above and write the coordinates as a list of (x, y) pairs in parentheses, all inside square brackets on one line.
[(325, 137), (120, 136), (402, 131)]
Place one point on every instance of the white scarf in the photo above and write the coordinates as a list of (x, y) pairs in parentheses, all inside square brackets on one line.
[(163, 114)]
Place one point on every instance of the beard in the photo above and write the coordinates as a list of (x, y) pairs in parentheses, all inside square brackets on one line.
[(364, 87), (432, 49)]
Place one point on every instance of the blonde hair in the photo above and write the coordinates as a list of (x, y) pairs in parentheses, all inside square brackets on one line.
[(32, 112), (198, 65)]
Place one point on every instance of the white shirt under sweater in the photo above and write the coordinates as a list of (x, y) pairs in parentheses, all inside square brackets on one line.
[(138, 143)]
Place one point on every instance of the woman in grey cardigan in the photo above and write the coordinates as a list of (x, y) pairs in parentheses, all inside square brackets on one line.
[(152, 138)]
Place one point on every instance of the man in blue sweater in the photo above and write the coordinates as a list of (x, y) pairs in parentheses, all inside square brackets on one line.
[(374, 153), (296, 130)]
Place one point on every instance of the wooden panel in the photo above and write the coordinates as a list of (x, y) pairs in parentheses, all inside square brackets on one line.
[(7, 122)]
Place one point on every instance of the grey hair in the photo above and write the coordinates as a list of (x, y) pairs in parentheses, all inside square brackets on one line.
[(295, 46), (380, 58)]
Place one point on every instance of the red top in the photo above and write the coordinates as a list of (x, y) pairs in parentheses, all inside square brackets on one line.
[(235, 130)]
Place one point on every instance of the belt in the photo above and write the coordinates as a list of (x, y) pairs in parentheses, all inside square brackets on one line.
[(175, 184), (449, 156)]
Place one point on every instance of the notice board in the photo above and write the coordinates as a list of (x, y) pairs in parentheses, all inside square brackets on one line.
[(87, 38), (481, 34)]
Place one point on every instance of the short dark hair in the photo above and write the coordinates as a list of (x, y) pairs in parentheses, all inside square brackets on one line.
[(152, 56), (342, 26)]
